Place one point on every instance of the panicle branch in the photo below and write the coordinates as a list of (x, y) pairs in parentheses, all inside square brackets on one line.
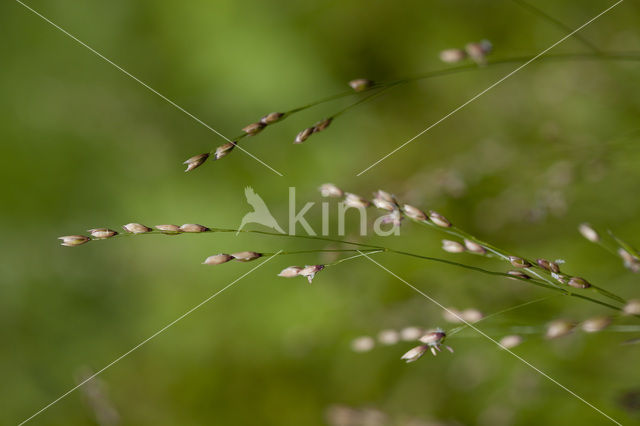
[(476, 52)]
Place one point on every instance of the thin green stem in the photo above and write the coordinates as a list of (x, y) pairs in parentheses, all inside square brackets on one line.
[(283, 253), (557, 23), (535, 330), (503, 311), (384, 86), (371, 247), (623, 244), (534, 269)]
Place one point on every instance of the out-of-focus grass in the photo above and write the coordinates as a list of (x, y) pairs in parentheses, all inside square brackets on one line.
[(83, 146)]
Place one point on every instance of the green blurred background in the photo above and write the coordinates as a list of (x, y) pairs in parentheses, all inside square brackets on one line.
[(84, 146)]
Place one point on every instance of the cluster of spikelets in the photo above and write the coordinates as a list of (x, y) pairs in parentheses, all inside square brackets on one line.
[(553, 268), (385, 201), (130, 228), (432, 340), (477, 52), (358, 85), (395, 212), (382, 200)]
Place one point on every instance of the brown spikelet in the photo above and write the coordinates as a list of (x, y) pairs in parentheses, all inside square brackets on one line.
[(474, 247), (272, 117), (168, 229), (578, 282), (320, 126), (101, 233), (246, 256), (414, 212), (136, 228), (254, 128), (519, 262), (439, 220), (361, 84), (303, 135), (193, 227), (196, 161), (224, 150)]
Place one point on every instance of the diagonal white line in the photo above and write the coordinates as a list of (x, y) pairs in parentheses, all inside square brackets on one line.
[(146, 86), (145, 340), (493, 340), (491, 87)]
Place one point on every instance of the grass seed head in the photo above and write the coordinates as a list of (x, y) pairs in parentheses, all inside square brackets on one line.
[(625, 255), (632, 307), (136, 228), (217, 259), (561, 278), (395, 218), (433, 337), (511, 341), (414, 212), (224, 150), (272, 117), (196, 161), (452, 246), (168, 229), (578, 282), (451, 56), (415, 354), (363, 344), (383, 204), (595, 324), (439, 220), (589, 233), (254, 128), (246, 256), (549, 266), (303, 135), (388, 337), (361, 84), (330, 190), (519, 262), (310, 271), (631, 262), (479, 51), (320, 126), (102, 233), (193, 227), (409, 334), (471, 315), (291, 271), (474, 247), (354, 200), (385, 201), (73, 240), (559, 328)]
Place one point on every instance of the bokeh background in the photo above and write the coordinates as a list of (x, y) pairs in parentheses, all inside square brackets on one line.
[(83, 145)]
